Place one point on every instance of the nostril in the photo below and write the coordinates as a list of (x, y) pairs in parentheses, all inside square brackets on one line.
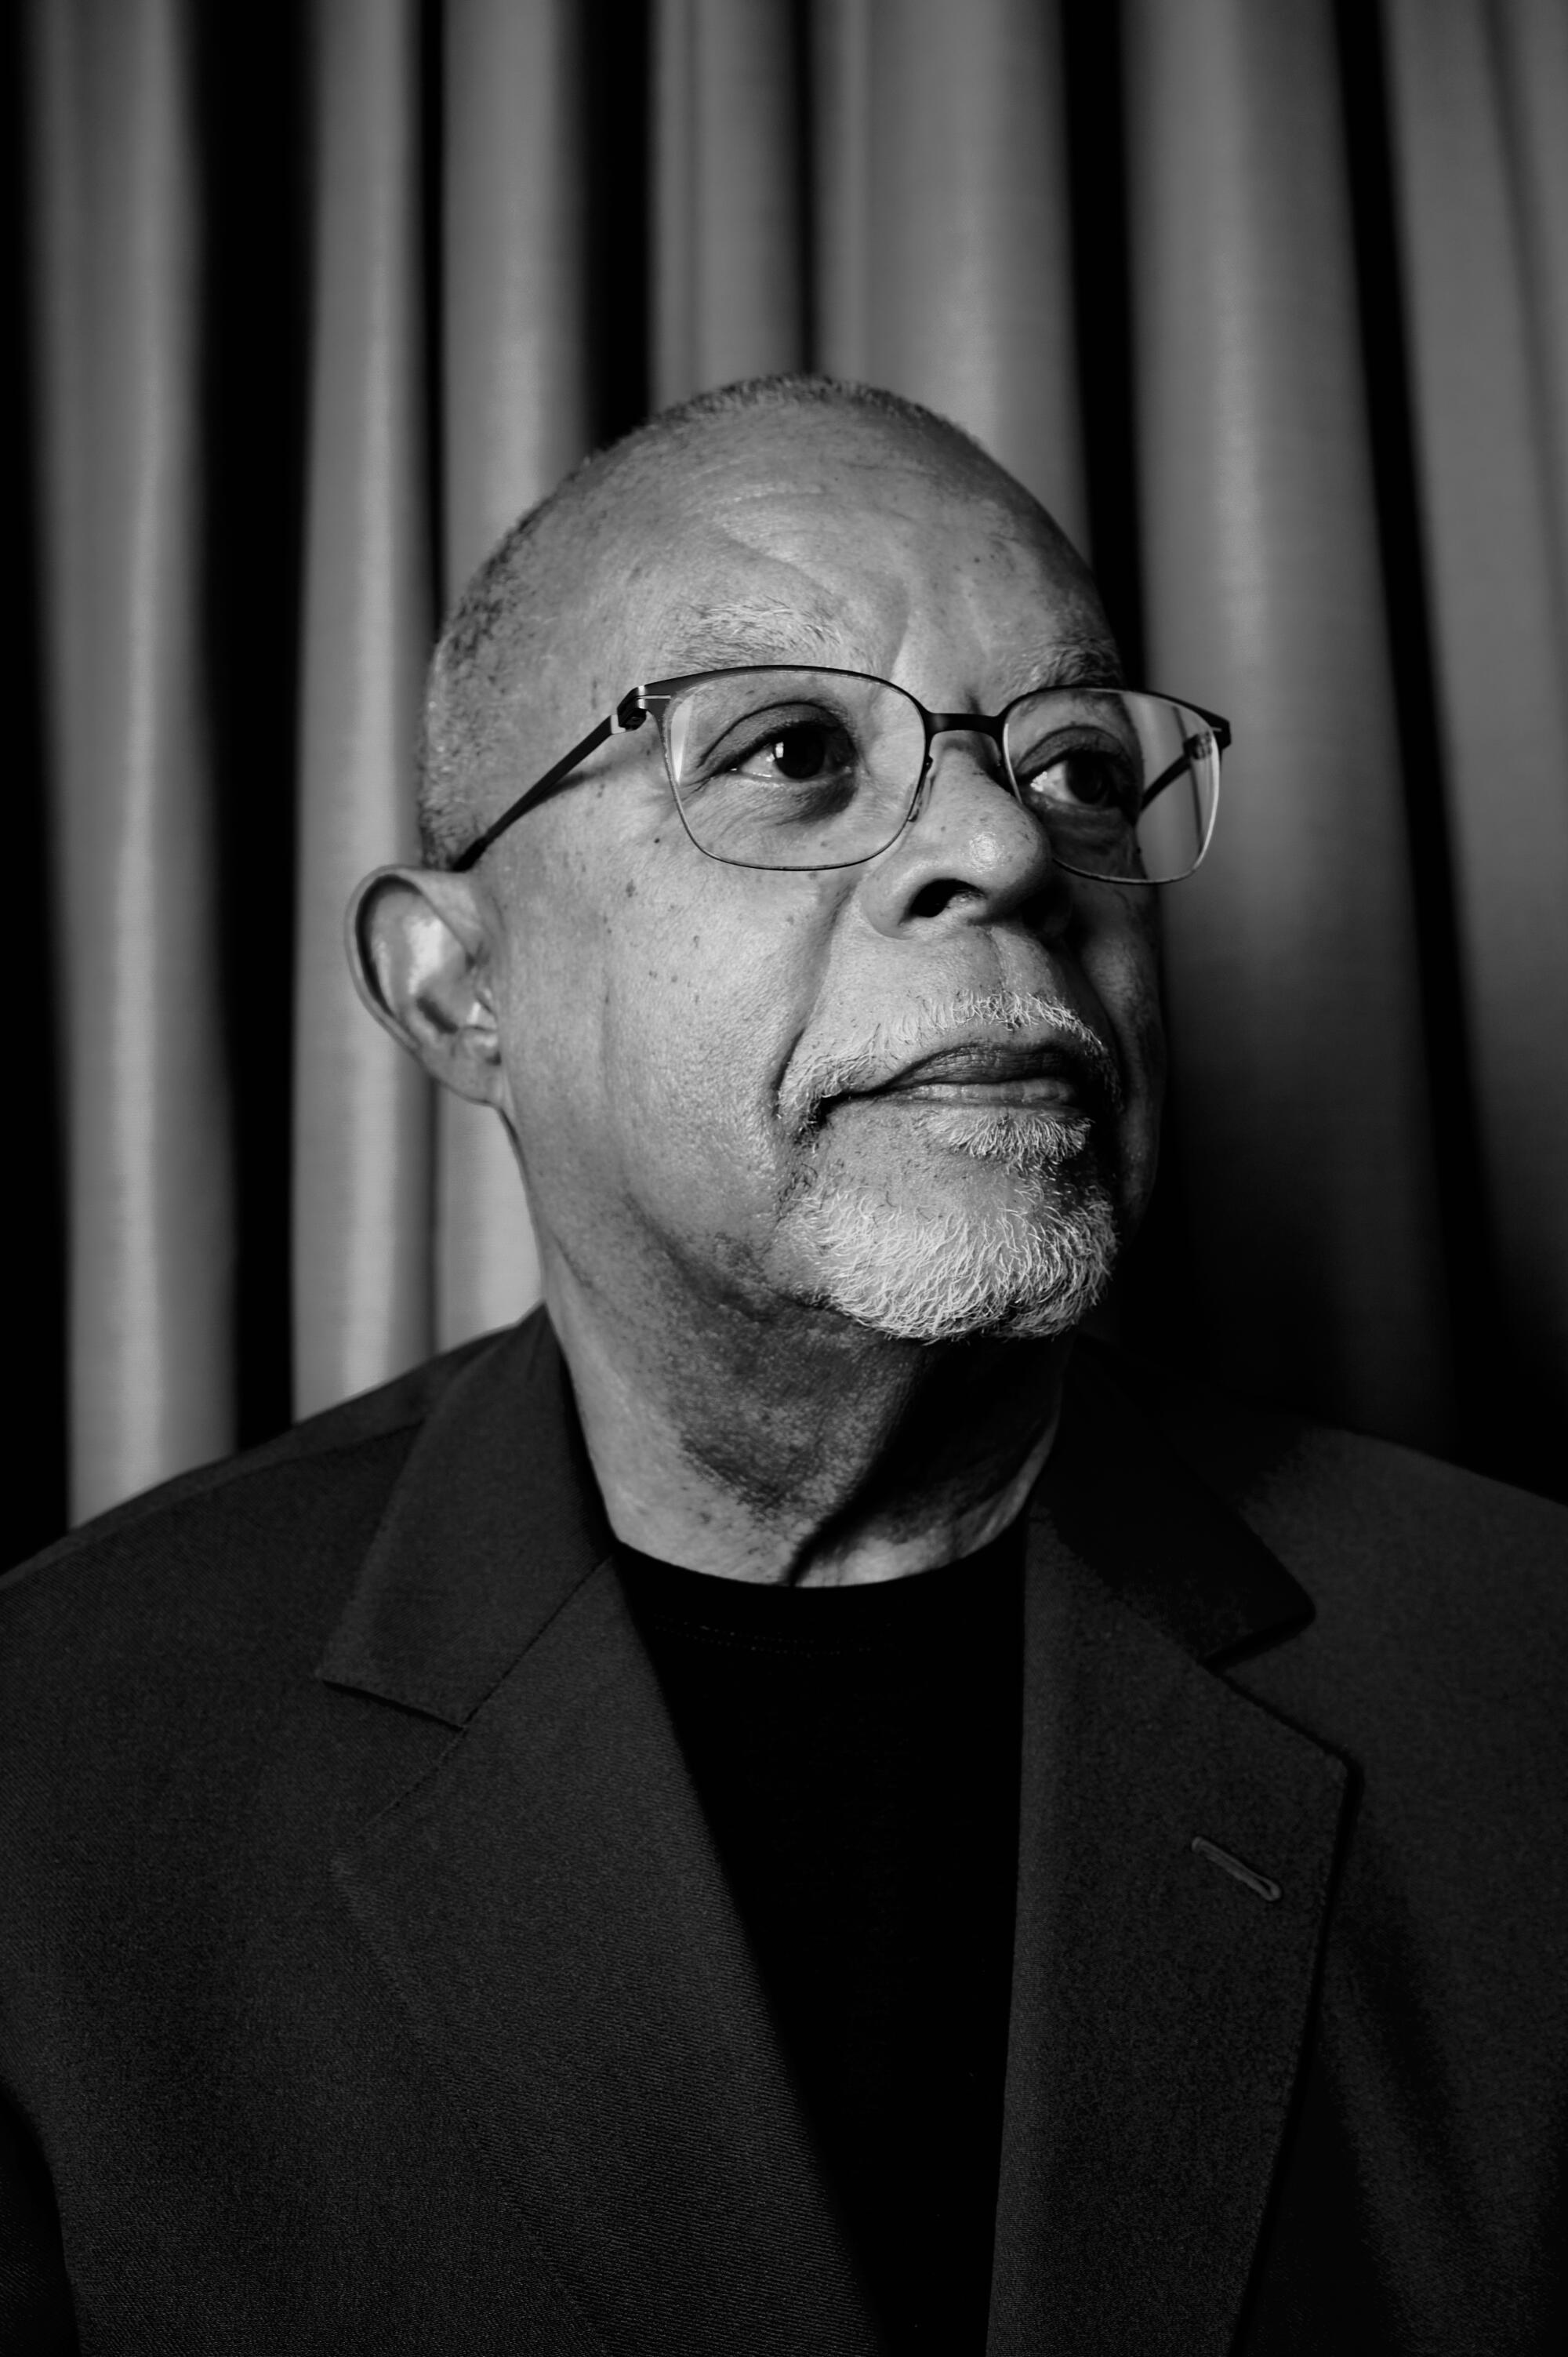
[(934, 899)]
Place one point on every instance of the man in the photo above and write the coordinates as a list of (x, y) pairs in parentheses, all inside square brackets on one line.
[(783, 1807)]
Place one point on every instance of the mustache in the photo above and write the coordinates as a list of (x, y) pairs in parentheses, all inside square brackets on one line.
[(1014, 1019)]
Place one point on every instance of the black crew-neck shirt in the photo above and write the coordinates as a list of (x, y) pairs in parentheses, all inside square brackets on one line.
[(856, 1753)]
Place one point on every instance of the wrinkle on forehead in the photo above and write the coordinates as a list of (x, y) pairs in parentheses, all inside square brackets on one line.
[(911, 476), (766, 593)]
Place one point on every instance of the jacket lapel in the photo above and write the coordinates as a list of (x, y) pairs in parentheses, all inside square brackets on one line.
[(548, 1908), (1176, 1853)]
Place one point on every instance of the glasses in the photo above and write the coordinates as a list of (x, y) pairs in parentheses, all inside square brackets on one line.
[(776, 767)]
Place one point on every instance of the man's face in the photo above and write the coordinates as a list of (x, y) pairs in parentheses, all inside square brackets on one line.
[(893, 1090)]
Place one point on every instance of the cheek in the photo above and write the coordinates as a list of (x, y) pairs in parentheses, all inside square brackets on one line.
[(1120, 959), (668, 1012), (688, 1042)]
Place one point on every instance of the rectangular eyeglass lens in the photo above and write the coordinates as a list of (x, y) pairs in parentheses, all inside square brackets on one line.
[(791, 768), (1179, 765)]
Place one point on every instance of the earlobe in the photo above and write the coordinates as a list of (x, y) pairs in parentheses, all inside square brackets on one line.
[(418, 944)]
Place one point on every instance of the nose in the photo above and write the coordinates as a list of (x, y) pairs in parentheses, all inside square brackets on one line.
[(971, 854)]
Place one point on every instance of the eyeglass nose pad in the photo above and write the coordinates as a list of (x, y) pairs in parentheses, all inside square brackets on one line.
[(922, 786)]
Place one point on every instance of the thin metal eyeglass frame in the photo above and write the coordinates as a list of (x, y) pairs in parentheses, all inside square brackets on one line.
[(636, 705)]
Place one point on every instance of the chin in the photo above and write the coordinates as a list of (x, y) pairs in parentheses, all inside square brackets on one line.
[(1011, 1227), (1021, 1271)]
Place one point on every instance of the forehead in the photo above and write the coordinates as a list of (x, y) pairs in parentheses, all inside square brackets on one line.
[(837, 541)]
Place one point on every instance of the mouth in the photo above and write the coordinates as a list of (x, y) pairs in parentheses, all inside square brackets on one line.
[(1014, 1060), (991, 1073), (995, 1074)]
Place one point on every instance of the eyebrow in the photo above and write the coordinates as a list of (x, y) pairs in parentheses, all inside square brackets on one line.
[(1070, 662), (757, 630)]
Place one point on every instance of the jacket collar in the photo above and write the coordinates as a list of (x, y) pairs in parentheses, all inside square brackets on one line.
[(494, 1523), (548, 1907), (1119, 1499), (497, 1519)]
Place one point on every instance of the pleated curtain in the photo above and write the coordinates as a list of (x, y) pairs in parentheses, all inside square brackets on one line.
[(1266, 299)]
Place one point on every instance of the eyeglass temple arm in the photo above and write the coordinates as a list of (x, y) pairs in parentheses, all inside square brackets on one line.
[(1221, 730), (627, 714)]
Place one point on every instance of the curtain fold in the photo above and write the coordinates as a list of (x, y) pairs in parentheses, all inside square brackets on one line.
[(516, 413), (117, 354), (1480, 99), (1268, 303), (942, 224), (727, 259), (362, 1112), (1297, 1022)]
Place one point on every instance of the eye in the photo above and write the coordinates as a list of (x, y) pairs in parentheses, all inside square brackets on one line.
[(798, 753), (1085, 779)]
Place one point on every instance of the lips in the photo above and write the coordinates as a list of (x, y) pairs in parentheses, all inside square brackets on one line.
[(982, 1062), (1041, 1075), (1006, 1050)]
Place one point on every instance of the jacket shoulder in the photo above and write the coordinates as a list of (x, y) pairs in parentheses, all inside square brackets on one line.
[(1342, 1501), (1438, 1644), (316, 1489)]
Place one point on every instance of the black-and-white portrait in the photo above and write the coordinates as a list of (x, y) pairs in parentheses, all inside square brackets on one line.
[(790, 1495)]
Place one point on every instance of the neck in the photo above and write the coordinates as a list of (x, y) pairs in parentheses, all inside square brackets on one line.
[(802, 1450)]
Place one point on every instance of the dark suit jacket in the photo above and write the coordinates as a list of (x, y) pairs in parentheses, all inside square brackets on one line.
[(368, 1982)]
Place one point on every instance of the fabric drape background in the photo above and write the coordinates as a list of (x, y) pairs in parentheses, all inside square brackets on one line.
[(1267, 299)]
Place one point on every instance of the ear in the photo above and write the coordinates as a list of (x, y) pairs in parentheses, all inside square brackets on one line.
[(419, 950)]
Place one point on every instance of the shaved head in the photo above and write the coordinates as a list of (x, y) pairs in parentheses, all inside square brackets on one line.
[(497, 663)]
